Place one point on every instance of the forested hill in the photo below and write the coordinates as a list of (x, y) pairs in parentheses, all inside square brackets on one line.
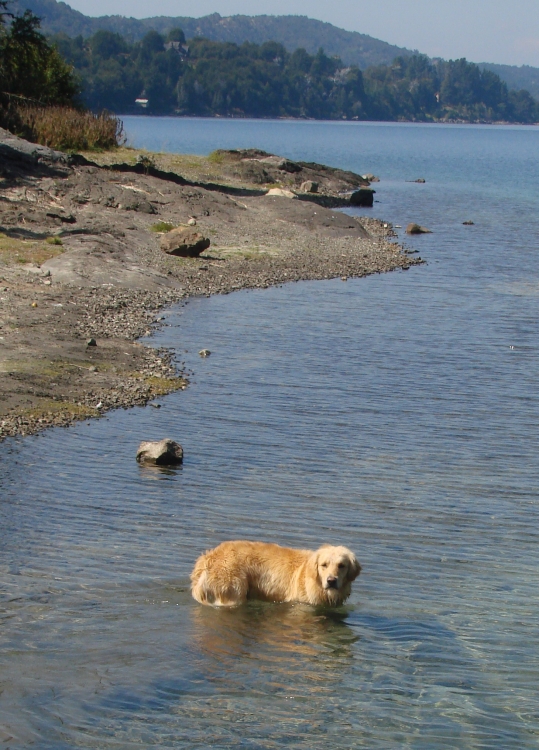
[(167, 76), (291, 31)]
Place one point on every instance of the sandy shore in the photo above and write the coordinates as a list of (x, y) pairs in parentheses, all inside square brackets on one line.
[(80, 259)]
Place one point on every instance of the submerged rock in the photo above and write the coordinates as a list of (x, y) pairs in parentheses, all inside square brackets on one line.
[(162, 453), (184, 242)]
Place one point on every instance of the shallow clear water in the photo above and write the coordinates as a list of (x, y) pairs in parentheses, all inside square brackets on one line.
[(396, 414)]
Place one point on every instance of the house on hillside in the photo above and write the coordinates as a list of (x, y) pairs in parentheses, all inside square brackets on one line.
[(142, 101)]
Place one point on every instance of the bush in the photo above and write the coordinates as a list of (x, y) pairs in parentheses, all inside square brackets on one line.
[(69, 129)]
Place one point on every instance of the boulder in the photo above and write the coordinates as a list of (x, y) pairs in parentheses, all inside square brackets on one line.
[(309, 187), (281, 193), (363, 197), (417, 229), (184, 242), (162, 453), (468, 223)]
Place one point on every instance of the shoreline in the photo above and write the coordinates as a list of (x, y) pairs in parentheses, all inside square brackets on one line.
[(93, 271)]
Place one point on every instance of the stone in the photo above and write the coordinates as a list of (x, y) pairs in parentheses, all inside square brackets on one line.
[(417, 229), (468, 223), (281, 193), (309, 187), (91, 342), (370, 177), (192, 222), (204, 352), (184, 242), (363, 197), (162, 453), (421, 181)]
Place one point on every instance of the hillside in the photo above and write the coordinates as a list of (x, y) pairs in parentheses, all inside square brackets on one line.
[(291, 31), (523, 77)]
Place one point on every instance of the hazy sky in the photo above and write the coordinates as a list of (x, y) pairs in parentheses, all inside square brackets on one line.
[(499, 31)]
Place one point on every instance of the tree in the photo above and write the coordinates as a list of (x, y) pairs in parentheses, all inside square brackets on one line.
[(31, 69)]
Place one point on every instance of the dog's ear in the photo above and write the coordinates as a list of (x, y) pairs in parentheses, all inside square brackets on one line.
[(313, 564), (354, 568)]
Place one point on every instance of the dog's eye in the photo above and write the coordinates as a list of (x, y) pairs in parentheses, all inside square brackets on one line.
[(342, 565), (324, 565)]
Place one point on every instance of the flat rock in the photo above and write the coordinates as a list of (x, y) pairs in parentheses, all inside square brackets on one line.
[(281, 193), (184, 242), (160, 453)]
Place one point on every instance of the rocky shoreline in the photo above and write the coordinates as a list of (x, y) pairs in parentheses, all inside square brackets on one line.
[(82, 276)]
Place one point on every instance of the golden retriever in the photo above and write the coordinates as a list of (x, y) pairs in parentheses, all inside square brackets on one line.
[(236, 571)]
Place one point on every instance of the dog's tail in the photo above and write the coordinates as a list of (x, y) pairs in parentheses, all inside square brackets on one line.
[(199, 580)]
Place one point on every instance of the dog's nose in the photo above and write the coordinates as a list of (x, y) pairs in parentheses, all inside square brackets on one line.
[(332, 582)]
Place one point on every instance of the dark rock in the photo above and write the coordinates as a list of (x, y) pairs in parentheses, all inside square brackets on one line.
[(163, 453), (421, 181), (363, 197), (468, 223), (184, 242), (91, 342), (204, 352), (417, 229), (141, 205)]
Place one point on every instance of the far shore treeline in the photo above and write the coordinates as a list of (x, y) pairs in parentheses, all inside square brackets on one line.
[(249, 80), (65, 92)]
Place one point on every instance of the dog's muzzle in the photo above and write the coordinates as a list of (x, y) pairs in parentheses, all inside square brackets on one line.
[(332, 583)]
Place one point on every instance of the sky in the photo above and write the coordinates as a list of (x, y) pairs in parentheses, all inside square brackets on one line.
[(480, 30)]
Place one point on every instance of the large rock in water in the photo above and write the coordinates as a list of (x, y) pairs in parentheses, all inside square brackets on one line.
[(417, 229), (163, 453), (363, 197), (184, 242)]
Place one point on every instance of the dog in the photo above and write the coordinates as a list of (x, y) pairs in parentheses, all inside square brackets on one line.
[(236, 571)]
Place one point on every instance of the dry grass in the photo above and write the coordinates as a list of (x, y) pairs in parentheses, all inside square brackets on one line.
[(13, 250), (70, 129)]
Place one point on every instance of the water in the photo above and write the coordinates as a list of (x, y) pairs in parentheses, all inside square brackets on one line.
[(395, 414)]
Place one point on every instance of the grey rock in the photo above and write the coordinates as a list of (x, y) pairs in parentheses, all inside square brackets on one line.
[(184, 242), (417, 229), (309, 186), (162, 453), (204, 352)]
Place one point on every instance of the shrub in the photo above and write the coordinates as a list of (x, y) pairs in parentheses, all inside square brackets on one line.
[(162, 226), (69, 129)]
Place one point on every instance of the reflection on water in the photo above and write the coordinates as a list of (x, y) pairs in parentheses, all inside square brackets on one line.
[(396, 415)]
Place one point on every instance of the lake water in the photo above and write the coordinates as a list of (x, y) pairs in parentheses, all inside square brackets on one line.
[(396, 414)]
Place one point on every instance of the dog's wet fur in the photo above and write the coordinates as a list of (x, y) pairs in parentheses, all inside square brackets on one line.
[(236, 571)]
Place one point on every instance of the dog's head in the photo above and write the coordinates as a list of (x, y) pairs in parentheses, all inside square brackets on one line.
[(336, 568)]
